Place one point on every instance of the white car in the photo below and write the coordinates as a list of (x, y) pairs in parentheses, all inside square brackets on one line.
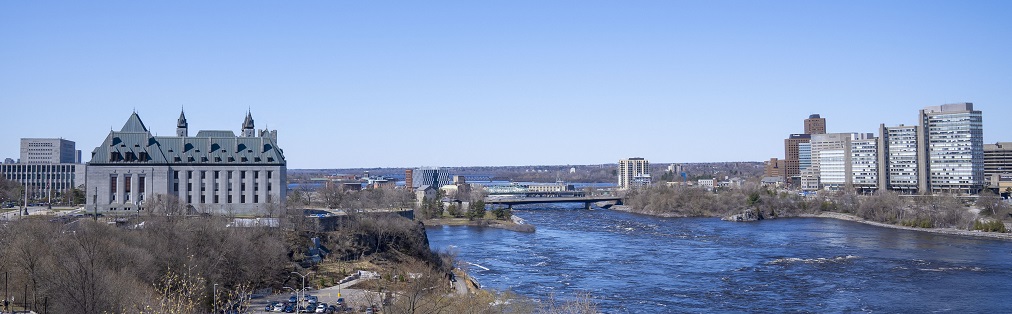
[(322, 308)]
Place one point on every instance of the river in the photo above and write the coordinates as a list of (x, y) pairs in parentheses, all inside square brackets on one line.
[(631, 263)]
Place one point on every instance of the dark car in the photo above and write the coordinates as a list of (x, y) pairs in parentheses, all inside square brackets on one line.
[(293, 299), (289, 308)]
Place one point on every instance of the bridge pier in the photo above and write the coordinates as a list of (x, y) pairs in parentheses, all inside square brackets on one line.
[(586, 205)]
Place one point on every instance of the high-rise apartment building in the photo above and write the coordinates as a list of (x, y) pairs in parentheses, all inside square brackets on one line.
[(951, 149), (815, 124), (898, 158), (633, 172), (48, 151)]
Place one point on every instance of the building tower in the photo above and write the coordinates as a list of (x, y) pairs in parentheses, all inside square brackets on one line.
[(897, 158), (181, 126), (998, 165), (48, 151), (247, 126), (633, 172), (815, 124), (950, 149)]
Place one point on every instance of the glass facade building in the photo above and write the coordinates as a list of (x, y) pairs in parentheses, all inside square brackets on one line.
[(954, 148)]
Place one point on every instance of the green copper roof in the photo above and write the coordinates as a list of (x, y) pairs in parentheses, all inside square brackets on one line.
[(134, 124), (134, 145)]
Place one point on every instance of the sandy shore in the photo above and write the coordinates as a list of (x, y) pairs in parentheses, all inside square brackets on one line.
[(950, 231)]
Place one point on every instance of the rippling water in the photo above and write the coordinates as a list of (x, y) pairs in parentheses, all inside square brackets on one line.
[(631, 263)]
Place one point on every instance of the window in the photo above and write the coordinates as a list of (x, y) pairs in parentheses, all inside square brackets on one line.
[(112, 189)]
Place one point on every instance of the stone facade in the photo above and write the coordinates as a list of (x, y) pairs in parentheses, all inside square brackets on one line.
[(215, 172)]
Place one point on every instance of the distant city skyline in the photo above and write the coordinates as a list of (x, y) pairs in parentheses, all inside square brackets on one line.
[(350, 85)]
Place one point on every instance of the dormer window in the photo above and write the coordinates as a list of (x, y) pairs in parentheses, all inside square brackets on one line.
[(177, 159)]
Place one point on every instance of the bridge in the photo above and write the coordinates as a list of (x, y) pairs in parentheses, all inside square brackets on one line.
[(586, 200)]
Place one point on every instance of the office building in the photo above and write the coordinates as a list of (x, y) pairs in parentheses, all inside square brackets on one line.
[(815, 124), (214, 172), (997, 162), (776, 168), (864, 164), (45, 181), (951, 149), (830, 159), (633, 172), (898, 158), (432, 176), (48, 168), (792, 154), (48, 151), (804, 156)]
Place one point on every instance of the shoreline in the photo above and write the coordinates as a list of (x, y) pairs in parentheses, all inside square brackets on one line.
[(946, 231), (848, 217), (511, 225)]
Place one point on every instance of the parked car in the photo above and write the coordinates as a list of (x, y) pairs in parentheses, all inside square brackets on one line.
[(312, 298), (277, 306), (340, 301), (289, 308), (293, 299), (321, 308)]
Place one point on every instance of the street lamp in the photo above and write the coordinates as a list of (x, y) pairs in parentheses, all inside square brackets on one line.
[(303, 290)]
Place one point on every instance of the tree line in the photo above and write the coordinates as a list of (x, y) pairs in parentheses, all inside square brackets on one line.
[(931, 211)]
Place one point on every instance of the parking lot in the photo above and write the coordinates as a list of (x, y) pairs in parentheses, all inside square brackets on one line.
[(355, 300)]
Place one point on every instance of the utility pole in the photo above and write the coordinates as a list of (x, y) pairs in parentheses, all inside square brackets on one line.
[(6, 292), (26, 200)]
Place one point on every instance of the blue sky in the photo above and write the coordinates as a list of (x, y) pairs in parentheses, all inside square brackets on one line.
[(462, 83)]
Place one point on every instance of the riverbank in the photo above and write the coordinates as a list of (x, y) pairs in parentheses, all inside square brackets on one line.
[(515, 224), (628, 209), (848, 217), (949, 231)]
